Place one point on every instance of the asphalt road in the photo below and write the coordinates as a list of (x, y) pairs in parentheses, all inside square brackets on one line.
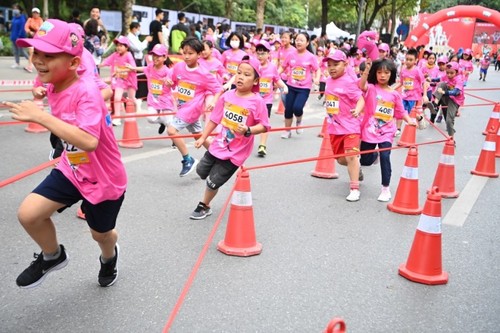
[(322, 256)]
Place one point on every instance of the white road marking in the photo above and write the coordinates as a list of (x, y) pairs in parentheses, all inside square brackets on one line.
[(462, 206)]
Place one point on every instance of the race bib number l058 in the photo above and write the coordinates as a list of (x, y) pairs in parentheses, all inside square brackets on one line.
[(233, 116)]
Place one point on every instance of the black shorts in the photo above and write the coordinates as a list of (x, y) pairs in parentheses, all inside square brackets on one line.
[(269, 107), (216, 171), (100, 217)]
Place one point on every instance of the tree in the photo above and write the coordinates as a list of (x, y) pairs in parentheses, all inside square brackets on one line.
[(126, 8), (261, 6)]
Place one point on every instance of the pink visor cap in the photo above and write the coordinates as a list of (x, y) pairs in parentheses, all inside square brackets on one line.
[(159, 50), (122, 40), (384, 47), (252, 62), (337, 55), (264, 44), (442, 59), (54, 36), (453, 65)]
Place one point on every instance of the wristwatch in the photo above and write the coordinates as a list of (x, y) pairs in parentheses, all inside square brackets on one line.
[(248, 132)]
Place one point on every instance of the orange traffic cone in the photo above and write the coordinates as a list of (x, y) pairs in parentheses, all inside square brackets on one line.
[(34, 127), (497, 153), (130, 130), (336, 325), (486, 163), (408, 137), (240, 232), (80, 214), (406, 198), (324, 129), (445, 174), (281, 107), (325, 167), (424, 261), (494, 118)]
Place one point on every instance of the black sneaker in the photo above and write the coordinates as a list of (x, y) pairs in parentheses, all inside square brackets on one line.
[(188, 166), (38, 270), (161, 129), (201, 212), (109, 271)]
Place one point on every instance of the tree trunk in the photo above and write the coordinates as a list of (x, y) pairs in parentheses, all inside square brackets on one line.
[(259, 11), (324, 15), (229, 9), (127, 15), (393, 19), (45, 9)]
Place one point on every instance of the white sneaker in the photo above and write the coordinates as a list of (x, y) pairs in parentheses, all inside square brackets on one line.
[(116, 122), (286, 135), (15, 66), (353, 196), (299, 130), (398, 133), (385, 194)]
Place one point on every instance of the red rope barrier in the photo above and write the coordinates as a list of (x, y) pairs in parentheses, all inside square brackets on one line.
[(28, 172)]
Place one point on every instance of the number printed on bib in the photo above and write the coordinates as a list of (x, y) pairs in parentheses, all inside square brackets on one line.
[(408, 84), (232, 67), (121, 72), (156, 87), (75, 155), (384, 111), (332, 104), (264, 86), (233, 116), (298, 73), (185, 92)]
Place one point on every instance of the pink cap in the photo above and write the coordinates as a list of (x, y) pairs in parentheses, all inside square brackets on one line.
[(277, 40), (264, 44), (453, 65), (54, 36), (442, 59), (122, 40), (247, 45), (321, 49), (159, 50), (77, 28), (336, 55), (358, 51), (252, 62), (468, 51), (346, 46), (384, 47)]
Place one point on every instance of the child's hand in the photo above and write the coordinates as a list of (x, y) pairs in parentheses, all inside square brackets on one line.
[(284, 90), (425, 100), (168, 82), (39, 92), (440, 90), (198, 143), (25, 111), (129, 67), (368, 64), (355, 113), (242, 128)]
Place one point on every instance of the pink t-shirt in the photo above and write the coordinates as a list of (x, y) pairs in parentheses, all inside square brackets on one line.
[(230, 111), (193, 85), (467, 67), (284, 53), (121, 77), (323, 66), (381, 108), (98, 175), (159, 93), (268, 78), (485, 64), (412, 81), (216, 53), (430, 72), (456, 82), (341, 96), (231, 60), (300, 66), (215, 67)]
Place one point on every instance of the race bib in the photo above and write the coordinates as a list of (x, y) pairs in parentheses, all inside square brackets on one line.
[(232, 67), (265, 86), (75, 155), (298, 73), (408, 84), (332, 105), (233, 116), (384, 111), (185, 92), (156, 87), (121, 72)]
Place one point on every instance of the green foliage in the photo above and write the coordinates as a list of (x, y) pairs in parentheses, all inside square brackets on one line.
[(7, 46)]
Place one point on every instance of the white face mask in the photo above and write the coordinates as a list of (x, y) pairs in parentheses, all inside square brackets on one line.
[(235, 44), (137, 33)]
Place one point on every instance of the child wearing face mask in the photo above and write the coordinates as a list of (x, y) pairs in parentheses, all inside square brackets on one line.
[(231, 58)]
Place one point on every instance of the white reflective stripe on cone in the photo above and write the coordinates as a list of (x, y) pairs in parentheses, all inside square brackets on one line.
[(447, 159), (495, 115), (241, 199), (429, 224), (489, 146), (410, 173)]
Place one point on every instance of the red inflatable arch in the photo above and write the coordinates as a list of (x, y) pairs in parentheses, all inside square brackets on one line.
[(479, 12)]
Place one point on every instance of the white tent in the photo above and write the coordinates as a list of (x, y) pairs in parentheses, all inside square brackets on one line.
[(333, 32)]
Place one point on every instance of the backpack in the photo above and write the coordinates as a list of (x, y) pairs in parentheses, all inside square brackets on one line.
[(89, 45)]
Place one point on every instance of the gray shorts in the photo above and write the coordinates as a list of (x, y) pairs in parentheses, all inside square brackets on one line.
[(216, 171), (180, 124)]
